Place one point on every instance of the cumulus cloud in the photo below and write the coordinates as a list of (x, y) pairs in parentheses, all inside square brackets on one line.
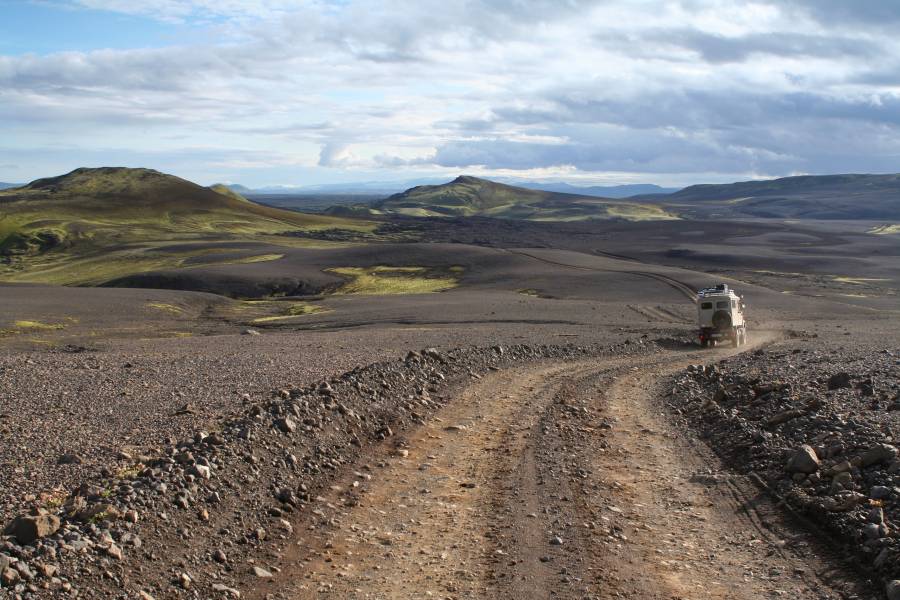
[(589, 86)]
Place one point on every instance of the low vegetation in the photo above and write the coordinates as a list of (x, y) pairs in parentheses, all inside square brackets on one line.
[(38, 325), (293, 310), (387, 280), (471, 197), (94, 225)]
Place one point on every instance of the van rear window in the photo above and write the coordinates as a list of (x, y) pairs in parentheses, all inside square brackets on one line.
[(706, 305), (722, 304)]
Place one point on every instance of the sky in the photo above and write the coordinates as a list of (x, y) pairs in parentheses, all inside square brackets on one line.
[(307, 92)]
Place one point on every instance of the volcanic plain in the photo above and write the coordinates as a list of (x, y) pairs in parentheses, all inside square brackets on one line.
[(402, 407)]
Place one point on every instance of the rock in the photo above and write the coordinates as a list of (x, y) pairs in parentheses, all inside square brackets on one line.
[(48, 571), (784, 417), (556, 541), (99, 511), (142, 595), (29, 528), (250, 332), (261, 573), (69, 458), (892, 590), (871, 531), (876, 515), (185, 581), (114, 551), (880, 492), (839, 380), (220, 557), (433, 354), (9, 577), (5, 562), (803, 460), (201, 471), (286, 425), (841, 481), (224, 589), (843, 502), (877, 454)]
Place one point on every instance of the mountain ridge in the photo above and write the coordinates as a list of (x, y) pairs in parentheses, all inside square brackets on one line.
[(850, 196), (468, 196)]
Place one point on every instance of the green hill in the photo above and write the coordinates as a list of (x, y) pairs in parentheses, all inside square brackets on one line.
[(848, 197), (92, 225), (470, 196)]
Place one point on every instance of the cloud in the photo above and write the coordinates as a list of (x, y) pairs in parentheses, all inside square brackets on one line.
[(654, 87), (335, 154)]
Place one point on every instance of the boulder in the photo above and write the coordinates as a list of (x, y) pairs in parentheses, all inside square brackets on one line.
[(286, 425), (839, 380), (201, 471), (27, 529), (877, 454), (261, 573), (9, 577), (803, 460), (69, 458)]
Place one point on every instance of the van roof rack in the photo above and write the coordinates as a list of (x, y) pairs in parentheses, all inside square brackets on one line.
[(718, 290)]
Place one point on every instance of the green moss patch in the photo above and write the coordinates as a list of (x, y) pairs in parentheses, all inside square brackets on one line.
[(387, 280)]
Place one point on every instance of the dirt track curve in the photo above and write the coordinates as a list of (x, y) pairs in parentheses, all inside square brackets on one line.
[(557, 481)]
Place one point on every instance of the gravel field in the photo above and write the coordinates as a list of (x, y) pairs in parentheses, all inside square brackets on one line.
[(192, 517), (65, 415), (160, 465), (817, 421)]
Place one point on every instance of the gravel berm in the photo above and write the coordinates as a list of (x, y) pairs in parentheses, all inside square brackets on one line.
[(814, 423), (198, 519)]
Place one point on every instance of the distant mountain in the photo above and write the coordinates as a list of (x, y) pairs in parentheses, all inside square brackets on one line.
[(6, 186), (368, 188), (850, 197), (609, 191), (472, 196), (230, 192), (386, 188), (236, 187)]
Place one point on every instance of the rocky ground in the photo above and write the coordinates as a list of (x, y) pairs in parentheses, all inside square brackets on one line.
[(197, 518), (235, 465), (816, 422)]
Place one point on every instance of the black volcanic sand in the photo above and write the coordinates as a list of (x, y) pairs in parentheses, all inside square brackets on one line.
[(797, 256), (835, 259)]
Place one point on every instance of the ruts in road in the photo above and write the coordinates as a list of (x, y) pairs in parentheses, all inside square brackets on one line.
[(563, 480)]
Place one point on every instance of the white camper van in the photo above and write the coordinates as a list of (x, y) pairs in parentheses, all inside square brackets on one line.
[(720, 312)]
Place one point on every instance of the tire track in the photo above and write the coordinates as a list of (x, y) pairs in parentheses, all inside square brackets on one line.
[(683, 288), (559, 480)]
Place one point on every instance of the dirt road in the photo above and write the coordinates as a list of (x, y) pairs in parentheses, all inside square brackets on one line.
[(563, 481)]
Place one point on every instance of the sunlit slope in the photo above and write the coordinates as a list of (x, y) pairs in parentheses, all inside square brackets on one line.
[(844, 197), (93, 224), (470, 196)]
